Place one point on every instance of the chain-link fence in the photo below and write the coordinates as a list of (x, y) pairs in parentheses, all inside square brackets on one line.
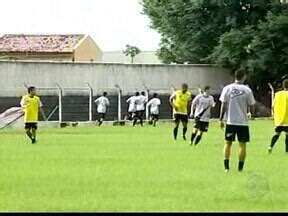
[(77, 104)]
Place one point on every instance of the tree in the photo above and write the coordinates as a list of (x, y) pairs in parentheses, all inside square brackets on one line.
[(269, 51), (191, 30), (262, 50), (131, 51)]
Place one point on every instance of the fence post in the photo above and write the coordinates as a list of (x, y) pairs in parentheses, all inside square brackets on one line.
[(90, 102), (119, 101), (272, 97), (60, 94), (147, 111)]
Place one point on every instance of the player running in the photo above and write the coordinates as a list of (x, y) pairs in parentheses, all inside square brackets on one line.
[(140, 101), (179, 101), (154, 104), (132, 106), (280, 113), (201, 111), (102, 104), (236, 99), (31, 105)]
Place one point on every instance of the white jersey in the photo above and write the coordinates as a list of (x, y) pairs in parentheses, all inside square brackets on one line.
[(102, 104), (141, 100), (132, 104), (238, 98), (202, 105), (154, 106)]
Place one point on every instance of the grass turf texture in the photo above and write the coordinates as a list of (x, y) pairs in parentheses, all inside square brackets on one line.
[(139, 169)]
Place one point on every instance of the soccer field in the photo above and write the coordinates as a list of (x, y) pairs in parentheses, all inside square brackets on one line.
[(139, 169)]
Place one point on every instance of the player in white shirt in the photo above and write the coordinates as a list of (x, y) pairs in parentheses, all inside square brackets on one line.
[(236, 100), (132, 106), (102, 103), (140, 101), (154, 104), (201, 111)]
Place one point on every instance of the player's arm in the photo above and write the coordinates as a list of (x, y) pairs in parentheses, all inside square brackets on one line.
[(23, 103), (223, 110), (224, 99), (251, 104), (42, 111), (171, 100), (193, 107), (108, 102), (96, 101)]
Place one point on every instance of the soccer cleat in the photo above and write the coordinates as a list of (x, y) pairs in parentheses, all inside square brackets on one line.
[(34, 141), (184, 137), (269, 150), (226, 170)]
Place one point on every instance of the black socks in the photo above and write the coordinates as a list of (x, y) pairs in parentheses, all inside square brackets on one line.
[(226, 164), (198, 139), (274, 140)]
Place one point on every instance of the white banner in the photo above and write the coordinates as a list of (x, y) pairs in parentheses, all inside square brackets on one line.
[(10, 116)]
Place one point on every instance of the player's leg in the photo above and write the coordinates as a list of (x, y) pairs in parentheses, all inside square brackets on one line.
[(229, 139), (28, 130), (275, 138), (194, 133), (199, 137), (34, 129), (243, 135), (101, 119), (242, 155), (286, 141), (141, 116), (135, 118), (227, 154), (155, 119), (177, 122), (185, 126)]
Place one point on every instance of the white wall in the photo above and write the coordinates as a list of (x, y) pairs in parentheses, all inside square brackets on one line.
[(13, 75)]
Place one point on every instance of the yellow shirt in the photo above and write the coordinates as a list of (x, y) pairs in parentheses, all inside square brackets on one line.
[(31, 108), (280, 105), (181, 102)]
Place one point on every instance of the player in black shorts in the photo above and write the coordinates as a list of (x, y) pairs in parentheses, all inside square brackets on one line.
[(280, 113), (179, 101), (236, 100), (201, 108)]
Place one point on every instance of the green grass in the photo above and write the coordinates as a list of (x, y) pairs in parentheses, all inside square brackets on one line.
[(138, 169)]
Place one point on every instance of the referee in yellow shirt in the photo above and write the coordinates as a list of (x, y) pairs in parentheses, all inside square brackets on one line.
[(31, 105), (280, 113), (179, 101)]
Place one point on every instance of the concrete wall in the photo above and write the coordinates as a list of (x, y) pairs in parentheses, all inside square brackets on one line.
[(158, 78)]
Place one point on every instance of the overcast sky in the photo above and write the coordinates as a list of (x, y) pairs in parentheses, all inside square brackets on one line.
[(112, 23)]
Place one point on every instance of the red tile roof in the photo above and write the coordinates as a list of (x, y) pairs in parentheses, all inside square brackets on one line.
[(39, 43)]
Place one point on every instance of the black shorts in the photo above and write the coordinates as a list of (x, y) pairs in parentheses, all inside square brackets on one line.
[(140, 114), (280, 129), (181, 117), (31, 126), (102, 115), (130, 116), (201, 125), (242, 132), (155, 116)]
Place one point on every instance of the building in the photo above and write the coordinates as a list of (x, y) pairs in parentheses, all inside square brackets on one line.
[(50, 47), (145, 57)]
